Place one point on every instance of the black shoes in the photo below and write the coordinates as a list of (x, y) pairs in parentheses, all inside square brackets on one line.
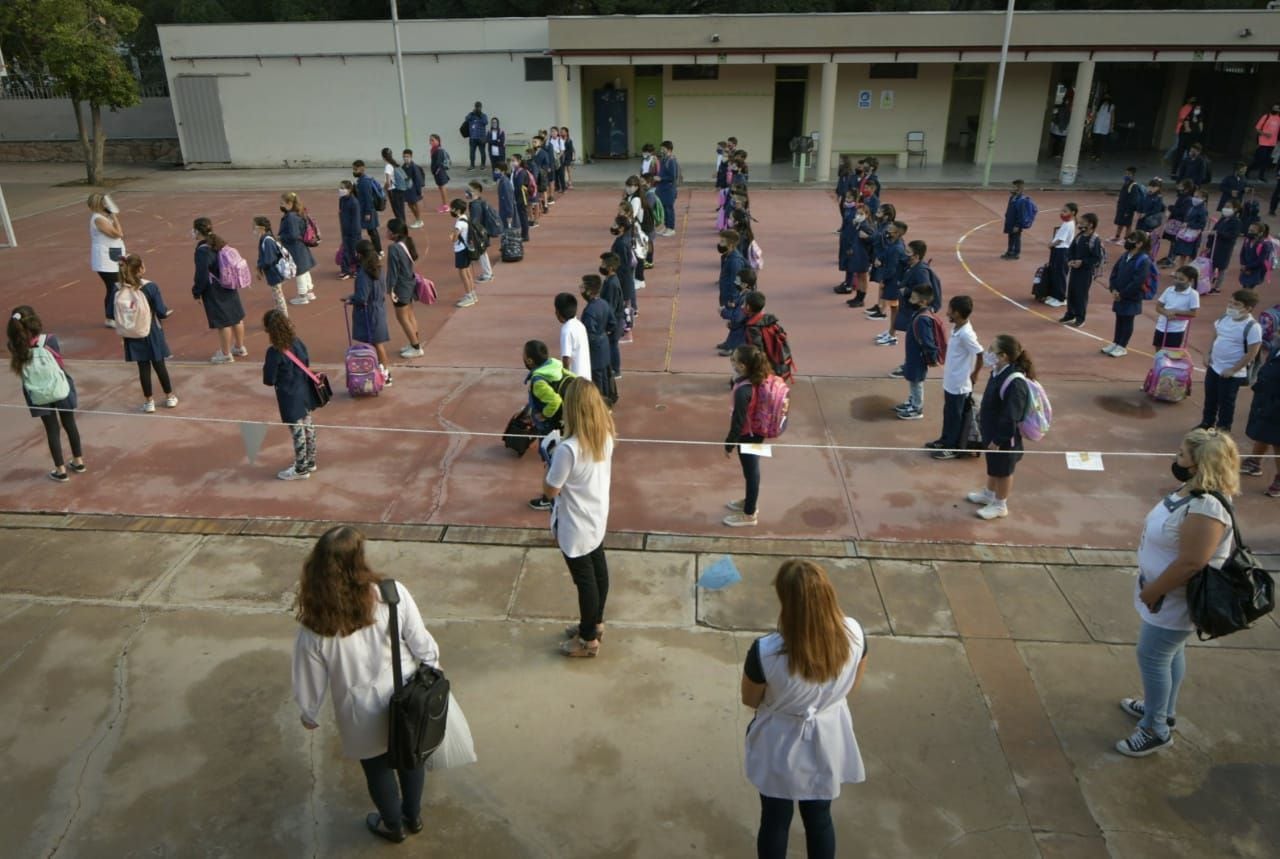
[(842, 289), (380, 829)]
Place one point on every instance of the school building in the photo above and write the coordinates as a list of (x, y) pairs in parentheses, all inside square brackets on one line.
[(915, 87)]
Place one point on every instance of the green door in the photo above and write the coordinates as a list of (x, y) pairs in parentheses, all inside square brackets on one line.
[(648, 107)]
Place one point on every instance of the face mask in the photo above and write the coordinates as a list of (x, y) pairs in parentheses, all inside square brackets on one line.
[(1181, 285), (355, 175), (1239, 315), (604, 271), (1195, 112), (1180, 472), (849, 204), (1130, 244), (342, 192), (1253, 237), (469, 195), (989, 358), (194, 234), (724, 249), (1228, 212), (859, 217), (1066, 218)]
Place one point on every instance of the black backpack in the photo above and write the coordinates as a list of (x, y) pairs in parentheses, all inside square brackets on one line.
[(419, 708), (477, 239)]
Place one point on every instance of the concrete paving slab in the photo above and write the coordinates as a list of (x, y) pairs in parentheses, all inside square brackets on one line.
[(1031, 604), (1207, 790), (913, 598), (752, 604), (1102, 598), (728, 545), (650, 588), (95, 564), (973, 608), (238, 571), (986, 552), (451, 581)]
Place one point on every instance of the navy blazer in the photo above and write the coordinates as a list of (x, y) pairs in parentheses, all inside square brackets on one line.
[(367, 194), (921, 347), (1232, 188), (506, 199), (730, 264), (268, 255), (292, 226), (1252, 256), (998, 417), (349, 219), (599, 320), (295, 392), (891, 259), (1015, 212), (1128, 278)]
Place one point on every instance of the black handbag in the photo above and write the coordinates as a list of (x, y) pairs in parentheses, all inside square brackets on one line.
[(319, 381), (519, 434), (419, 708), (1226, 600)]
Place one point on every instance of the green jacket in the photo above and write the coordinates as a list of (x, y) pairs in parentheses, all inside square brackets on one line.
[(544, 384)]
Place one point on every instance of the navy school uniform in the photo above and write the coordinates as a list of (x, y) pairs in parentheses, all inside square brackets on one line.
[(1194, 168), (731, 264), (1250, 213), (891, 260), (366, 195), (1197, 218), (878, 243), (1232, 189), (622, 246), (369, 309), (921, 346), (855, 256), (1253, 256), (1150, 212), (268, 255), (1128, 278), (998, 419), (417, 181), (67, 403), (1180, 206), (222, 307), (1088, 251), (1127, 202), (349, 226), (295, 392), (598, 319), (912, 276), (1015, 212), (1223, 241), (438, 173), (292, 226), (153, 347), (506, 200), (611, 294)]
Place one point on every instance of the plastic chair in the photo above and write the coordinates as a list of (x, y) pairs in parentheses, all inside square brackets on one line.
[(915, 146)]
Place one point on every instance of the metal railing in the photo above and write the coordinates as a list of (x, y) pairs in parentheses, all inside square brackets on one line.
[(20, 88)]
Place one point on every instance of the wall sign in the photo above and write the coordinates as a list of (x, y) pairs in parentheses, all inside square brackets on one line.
[(886, 99), (864, 99)]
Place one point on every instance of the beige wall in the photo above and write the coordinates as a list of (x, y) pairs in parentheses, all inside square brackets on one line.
[(1024, 113), (918, 105), (695, 114)]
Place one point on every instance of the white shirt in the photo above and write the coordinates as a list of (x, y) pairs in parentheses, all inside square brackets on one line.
[(1159, 548), (801, 744), (1102, 119), (1065, 234), (1176, 301), (357, 668), (580, 511), (648, 164), (1229, 343), (573, 348), (461, 226), (100, 245), (388, 176), (557, 145), (962, 351)]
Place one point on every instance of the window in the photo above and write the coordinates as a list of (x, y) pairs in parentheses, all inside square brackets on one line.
[(791, 73), (648, 71), (537, 68), (895, 70), (695, 73)]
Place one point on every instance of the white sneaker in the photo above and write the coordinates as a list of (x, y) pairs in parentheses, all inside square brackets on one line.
[(994, 510), (740, 520), (981, 496), (240, 351), (110, 323), (416, 225), (1118, 352), (1053, 302), (410, 352), (171, 401), (291, 473), (149, 406), (301, 299), (466, 301), (220, 357), (1107, 350)]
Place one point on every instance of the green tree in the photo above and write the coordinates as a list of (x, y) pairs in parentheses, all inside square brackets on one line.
[(80, 43)]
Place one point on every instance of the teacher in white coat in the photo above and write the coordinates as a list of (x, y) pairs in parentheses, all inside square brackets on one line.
[(800, 745)]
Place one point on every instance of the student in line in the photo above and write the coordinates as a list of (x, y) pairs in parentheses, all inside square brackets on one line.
[(480, 212), (47, 387), (1222, 243), (395, 182), (369, 305), (1233, 188), (668, 175), (810, 666), (367, 192), (598, 320), (1263, 427), (577, 482), (623, 248), (1127, 203), (890, 263), (611, 294), (497, 142), (461, 256), (884, 216), (440, 171), (731, 263), (750, 304), (921, 351), (959, 375), (1059, 248), (349, 228), (222, 307), (413, 193), (1255, 256), (575, 350), (1017, 214), (1084, 257), (1186, 245), (106, 247), (1004, 403), (506, 195), (750, 368), (344, 648), (1237, 339), (401, 255), (268, 256), (1175, 307), (568, 158), (525, 193), (1128, 280), (283, 368), (150, 350), (293, 226), (855, 256)]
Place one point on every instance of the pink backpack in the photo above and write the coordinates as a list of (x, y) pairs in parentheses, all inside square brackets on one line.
[(233, 271), (767, 411)]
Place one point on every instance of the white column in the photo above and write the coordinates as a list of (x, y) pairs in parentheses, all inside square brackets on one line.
[(1075, 128), (826, 120), (562, 95)]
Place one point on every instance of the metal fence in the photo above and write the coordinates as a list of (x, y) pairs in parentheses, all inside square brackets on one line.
[(33, 88)]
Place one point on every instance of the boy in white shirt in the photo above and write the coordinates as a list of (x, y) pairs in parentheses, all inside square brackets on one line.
[(1236, 340), (1059, 248), (461, 256), (1175, 306), (575, 353), (959, 373)]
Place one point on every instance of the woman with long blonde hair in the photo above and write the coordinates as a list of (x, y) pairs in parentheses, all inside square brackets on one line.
[(577, 481), (1188, 529), (106, 247), (800, 746), (343, 647)]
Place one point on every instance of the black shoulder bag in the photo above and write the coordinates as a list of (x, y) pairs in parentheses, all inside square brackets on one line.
[(1227, 600), (419, 708)]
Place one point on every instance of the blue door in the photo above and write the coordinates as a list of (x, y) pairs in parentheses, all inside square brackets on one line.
[(611, 123)]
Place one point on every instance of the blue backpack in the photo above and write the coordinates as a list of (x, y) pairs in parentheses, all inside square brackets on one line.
[(1029, 212)]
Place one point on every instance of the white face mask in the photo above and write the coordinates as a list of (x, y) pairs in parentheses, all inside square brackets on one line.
[(1238, 315), (989, 358), (1228, 212), (342, 192)]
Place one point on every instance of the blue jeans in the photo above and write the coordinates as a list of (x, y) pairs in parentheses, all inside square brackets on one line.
[(381, 779), (667, 194), (775, 824), (915, 395), (476, 146), (1162, 661)]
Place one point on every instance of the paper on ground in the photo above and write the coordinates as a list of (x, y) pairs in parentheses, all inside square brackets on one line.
[(719, 575), (757, 449), (1091, 461)]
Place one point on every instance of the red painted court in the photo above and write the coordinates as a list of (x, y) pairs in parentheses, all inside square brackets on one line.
[(411, 456)]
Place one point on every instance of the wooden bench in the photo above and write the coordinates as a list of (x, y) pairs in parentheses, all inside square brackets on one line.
[(886, 156)]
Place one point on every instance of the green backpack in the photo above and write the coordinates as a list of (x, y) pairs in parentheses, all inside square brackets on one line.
[(43, 377), (659, 213)]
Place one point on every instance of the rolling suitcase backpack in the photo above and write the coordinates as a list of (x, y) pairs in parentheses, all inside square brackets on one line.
[(1204, 274), (364, 375), (1169, 380), (512, 247)]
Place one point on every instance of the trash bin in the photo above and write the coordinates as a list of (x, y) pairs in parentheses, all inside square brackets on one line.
[(1067, 176)]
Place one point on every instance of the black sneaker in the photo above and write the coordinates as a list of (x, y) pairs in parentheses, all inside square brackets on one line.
[(944, 454), (59, 476), (842, 289), (856, 301), (1137, 709), (1140, 744), (542, 502), (876, 314), (897, 372)]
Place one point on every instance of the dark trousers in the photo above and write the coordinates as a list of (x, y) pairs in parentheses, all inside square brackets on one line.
[(477, 146), (751, 474), (775, 825), (560, 179), (627, 278), (667, 194), (954, 423), (397, 203), (590, 574), (144, 377), (1078, 283), (68, 419), (1015, 244), (1124, 330), (615, 353), (1219, 400), (1261, 161), (372, 233), (395, 803), (1275, 197), (522, 218), (1058, 273), (109, 280)]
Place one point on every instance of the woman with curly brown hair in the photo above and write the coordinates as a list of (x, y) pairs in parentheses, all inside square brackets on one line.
[(342, 644)]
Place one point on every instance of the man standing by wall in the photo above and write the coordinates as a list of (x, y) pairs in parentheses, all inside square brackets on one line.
[(477, 125)]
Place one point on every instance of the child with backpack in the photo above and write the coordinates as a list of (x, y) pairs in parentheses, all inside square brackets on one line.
[(1019, 215), (1084, 258), (417, 181), (1127, 203), (760, 404), (402, 283), (887, 270), (624, 249), (349, 229), (220, 274), (480, 212), (763, 331), (440, 164), (926, 346), (139, 309), (461, 242), (959, 375), (395, 182), (298, 234), (274, 262), (369, 306), (1222, 243), (1005, 404), (286, 368), (1130, 283), (736, 317), (49, 390), (1237, 340)]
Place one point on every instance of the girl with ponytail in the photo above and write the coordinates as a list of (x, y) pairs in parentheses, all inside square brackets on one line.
[(148, 349)]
